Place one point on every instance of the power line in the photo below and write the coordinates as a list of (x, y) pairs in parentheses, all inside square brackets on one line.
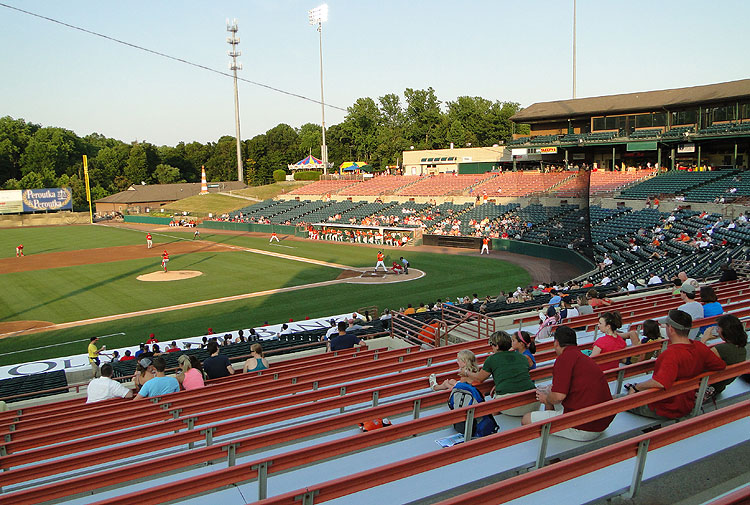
[(164, 55)]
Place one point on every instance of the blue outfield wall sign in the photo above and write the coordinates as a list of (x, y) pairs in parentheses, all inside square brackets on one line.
[(35, 200)]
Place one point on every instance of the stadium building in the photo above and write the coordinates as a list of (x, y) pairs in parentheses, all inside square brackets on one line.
[(682, 128)]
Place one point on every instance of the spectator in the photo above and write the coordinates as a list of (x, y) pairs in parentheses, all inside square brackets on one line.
[(344, 340), (159, 385), (683, 359), (190, 375), (677, 286), (216, 365), (409, 310), (104, 388), (523, 342), (567, 309), (467, 362), (284, 330), (333, 330), (152, 339), (509, 370), (256, 361), (421, 308), (609, 323), (227, 339), (173, 347), (156, 350), (653, 280), (115, 357), (144, 372), (141, 349), (94, 356), (651, 332), (583, 306), (595, 301), (577, 382), (689, 305), (711, 305), (733, 348), (385, 316), (128, 356), (555, 300), (727, 273)]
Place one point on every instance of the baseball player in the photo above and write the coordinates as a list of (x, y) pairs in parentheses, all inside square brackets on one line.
[(148, 241), (164, 260), (19, 250), (485, 246), (274, 237), (380, 262), (196, 234)]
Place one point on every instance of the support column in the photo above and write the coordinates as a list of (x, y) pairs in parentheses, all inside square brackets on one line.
[(567, 165), (514, 163), (734, 158), (658, 157), (673, 159), (699, 156), (613, 159)]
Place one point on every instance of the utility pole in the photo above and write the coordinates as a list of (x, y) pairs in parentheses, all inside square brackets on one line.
[(317, 17), (574, 48), (233, 41)]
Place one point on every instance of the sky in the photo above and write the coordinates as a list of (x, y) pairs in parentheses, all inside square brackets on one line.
[(518, 51)]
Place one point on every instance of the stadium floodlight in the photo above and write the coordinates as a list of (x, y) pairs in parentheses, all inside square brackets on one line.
[(318, 16)]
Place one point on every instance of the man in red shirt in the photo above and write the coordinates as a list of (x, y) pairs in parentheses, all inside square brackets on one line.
[(485, 246), (19, 250), (149, 243), (683, 359), (164, 260), (577, 382), (152, 339)]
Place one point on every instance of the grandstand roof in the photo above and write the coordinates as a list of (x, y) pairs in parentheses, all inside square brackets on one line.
[(632, 102), (165, 192)]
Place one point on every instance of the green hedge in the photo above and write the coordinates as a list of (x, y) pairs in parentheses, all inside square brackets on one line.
[(311, 175), (279, 175)]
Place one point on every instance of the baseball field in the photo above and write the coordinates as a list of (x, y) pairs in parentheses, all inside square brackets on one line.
[(79, 281)]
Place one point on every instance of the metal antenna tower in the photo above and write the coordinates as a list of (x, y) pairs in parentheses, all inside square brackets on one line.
[(233, 40)]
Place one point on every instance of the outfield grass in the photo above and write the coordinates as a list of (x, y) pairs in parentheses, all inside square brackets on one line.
[(112, 288), (48, 239)]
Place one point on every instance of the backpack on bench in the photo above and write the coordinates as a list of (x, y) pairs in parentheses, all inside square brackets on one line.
[(463, 395)]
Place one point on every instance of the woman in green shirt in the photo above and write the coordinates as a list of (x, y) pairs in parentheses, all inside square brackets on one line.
[(732, 350), (509, 370)]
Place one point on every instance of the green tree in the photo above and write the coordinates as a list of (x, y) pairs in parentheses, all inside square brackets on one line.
[(14, 137), (166, 174), (109, 163), (222, 165), (310, 139), (52, 148), (31, 180), (362, 121), (425, 128), (136, 169)]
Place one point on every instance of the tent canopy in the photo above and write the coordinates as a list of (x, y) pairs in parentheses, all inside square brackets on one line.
[(351, 166), (309, 163)]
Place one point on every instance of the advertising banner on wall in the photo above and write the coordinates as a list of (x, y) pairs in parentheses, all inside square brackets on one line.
[(35, 200), (10, 202)]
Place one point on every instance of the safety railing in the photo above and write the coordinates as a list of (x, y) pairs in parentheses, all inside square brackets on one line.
[(415, 331), (467, 323)]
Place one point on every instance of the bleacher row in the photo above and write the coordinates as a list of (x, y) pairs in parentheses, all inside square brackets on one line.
[(290, 434)]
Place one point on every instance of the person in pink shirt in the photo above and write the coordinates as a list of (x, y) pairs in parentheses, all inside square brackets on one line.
[(190, 375), (609, 323)]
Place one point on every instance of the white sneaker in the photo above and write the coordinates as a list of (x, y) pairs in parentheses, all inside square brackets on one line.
[(433, 381)]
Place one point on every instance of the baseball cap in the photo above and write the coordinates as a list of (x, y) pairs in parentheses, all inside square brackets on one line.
[(687, 288), (145, 362)]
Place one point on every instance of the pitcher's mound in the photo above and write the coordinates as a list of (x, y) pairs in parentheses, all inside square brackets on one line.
[(172, 275)]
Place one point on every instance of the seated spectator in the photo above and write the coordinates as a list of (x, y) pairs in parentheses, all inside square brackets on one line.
[(711, 305), (683, 359), (567, 309), (509, 370), (227, 339), (689, 280), (104, 388), (467, 361), (727, 273), (115, 357), (609, 323), (173, 347), (128, 356), (216, 365), (690, 305), (344, 339), (409, 310), (144, 372), (577, 382), (651, 331), (156, 350), (584, 308), (421, 308), (677, 286), (160, 384), (141, 349), (595, 301), (523, 342), (653, 280), (385, 316), (190, 375), (256, 361), (733, 348)]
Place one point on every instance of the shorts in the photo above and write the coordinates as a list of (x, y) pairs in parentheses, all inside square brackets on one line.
[(569, 433)]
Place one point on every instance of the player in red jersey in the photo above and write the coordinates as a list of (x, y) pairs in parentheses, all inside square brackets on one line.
[(19, 250), (149, 243), (164, 260)]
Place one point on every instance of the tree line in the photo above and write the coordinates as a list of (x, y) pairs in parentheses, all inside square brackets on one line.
[(374, 131)]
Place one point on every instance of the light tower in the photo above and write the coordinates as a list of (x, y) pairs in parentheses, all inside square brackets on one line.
[(318, 16), (233, 40)]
